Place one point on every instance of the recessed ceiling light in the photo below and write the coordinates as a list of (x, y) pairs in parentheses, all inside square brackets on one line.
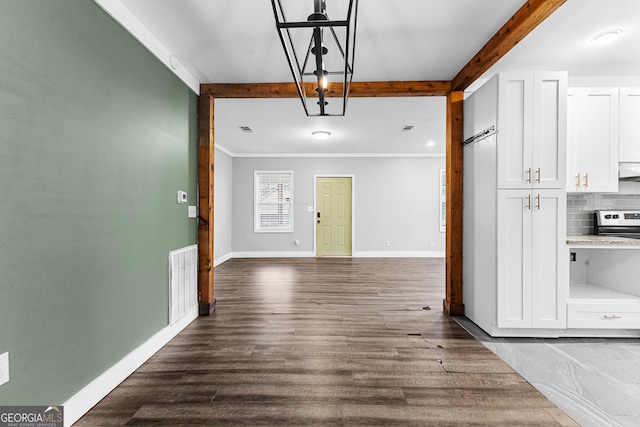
[(321, 134), (606, 37), (430, 144)]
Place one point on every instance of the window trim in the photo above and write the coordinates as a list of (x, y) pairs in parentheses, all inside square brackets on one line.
[(256, 212)]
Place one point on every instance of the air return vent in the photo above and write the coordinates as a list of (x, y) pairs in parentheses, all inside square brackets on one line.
[(183, 282), (406, 128), (246, 128)]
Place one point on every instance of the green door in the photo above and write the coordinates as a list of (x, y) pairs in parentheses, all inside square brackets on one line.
[(333, 216)]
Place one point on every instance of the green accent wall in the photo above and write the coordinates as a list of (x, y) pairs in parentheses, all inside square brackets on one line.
[(96, 138)]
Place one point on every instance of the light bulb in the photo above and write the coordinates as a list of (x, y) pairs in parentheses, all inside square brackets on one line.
[(321, 134), (606, 37)]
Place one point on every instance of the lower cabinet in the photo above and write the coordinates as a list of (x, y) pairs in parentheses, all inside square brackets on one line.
[(532, 274), (604, 315), (604, 291)]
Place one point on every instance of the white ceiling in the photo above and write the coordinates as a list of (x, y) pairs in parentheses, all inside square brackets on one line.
[(219, 41), (372, 126)]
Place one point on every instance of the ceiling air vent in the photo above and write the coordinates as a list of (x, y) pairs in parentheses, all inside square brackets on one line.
[(406, 128), (246, 128)]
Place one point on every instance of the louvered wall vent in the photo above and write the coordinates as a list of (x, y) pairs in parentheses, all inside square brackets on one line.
[(183, 282), (246, 128)]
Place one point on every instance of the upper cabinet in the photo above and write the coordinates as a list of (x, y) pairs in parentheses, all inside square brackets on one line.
[(531, 126), (592, 140), (629, 125)]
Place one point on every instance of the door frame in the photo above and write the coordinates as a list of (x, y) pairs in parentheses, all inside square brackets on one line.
[(353, 208)]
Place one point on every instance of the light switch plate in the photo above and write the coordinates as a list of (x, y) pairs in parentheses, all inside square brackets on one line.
[(4, 368), (309, 208), (192, 212), (182, 197)]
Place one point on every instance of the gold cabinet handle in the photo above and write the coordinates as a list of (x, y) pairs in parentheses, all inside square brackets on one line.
[(539, 176), (586, 180), (613, 316), (578, 178), (529, 201), (538, 201), (529, 175)]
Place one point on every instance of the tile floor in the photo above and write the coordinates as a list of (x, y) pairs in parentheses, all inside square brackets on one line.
[(596, 381)]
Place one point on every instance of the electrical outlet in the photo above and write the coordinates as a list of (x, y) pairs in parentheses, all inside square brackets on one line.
[(388, 243), (4, 368), (573, 257), (297, 242)]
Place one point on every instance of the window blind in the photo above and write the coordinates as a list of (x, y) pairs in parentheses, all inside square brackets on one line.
[(274, 201)]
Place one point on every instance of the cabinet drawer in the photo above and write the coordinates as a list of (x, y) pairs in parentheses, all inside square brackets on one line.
[(603, 315)]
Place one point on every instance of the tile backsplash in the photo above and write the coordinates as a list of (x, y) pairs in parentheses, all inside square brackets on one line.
[(580, 208)]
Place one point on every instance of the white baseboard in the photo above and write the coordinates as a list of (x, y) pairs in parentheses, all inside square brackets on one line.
[(309, 254), (283, 254), (96, 390), (223, 258), (400, 254)]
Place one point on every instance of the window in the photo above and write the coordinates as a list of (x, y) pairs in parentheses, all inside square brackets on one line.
[(274, 201)]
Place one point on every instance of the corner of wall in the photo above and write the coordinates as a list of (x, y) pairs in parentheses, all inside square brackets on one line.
[(81, 402)]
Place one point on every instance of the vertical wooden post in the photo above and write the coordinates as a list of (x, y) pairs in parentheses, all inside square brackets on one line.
[(205, 201), (453, 301)]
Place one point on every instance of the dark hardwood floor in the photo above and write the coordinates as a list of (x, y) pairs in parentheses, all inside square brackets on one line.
[(326, 341)]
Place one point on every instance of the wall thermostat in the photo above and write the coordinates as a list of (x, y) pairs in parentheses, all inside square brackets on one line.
[(182, 197)]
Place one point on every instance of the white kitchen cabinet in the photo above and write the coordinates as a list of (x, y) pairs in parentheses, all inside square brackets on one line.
[(531, 266), (592, 140), (604, 288), (531, 125), (515, 274), (629, 143)]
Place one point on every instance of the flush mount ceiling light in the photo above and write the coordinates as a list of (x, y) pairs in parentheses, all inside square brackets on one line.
[(321, 134), (606, 37), (319, 51)]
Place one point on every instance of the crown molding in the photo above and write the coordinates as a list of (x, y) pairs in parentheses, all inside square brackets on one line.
[(129, 22)]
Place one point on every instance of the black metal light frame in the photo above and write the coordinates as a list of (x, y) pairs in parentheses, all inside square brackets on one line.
[(318, 21)]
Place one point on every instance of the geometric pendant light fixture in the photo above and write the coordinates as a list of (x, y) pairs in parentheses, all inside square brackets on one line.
[(319, 50)]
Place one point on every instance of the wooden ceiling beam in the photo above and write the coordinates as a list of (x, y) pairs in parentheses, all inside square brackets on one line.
[(358, 89), (528, 17)]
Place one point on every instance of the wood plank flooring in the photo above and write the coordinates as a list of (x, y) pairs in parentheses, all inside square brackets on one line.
[(326, 341)]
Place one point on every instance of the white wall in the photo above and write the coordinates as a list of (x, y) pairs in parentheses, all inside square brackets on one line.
[(395, 199), (223, 213), (612, 81)]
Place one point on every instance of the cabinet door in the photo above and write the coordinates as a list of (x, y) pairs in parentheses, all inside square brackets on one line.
[(514, 258), (549, 157), (598, 139), (515, 105), (574, 177), (629, 125), (549, 282)]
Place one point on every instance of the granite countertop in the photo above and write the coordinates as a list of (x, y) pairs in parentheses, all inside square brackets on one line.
[(602, 240)]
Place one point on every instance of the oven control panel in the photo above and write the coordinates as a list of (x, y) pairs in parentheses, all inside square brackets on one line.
[(612, 221)]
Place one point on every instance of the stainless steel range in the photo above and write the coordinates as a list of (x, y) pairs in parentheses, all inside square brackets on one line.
[(617, 223)]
